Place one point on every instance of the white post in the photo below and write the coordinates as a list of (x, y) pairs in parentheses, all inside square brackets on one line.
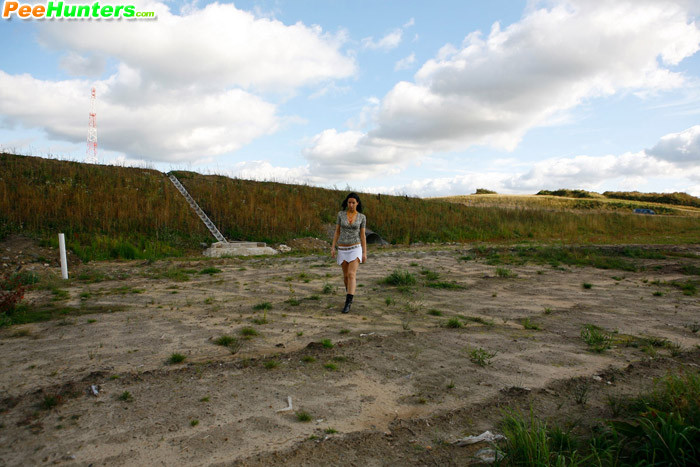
[(62, 249)]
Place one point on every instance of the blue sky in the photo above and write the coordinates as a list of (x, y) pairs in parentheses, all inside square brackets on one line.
[(423, 98)]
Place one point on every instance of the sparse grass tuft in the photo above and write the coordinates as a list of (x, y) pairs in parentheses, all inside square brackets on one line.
[(50, 401), (210, 270), (505, 273), (271, 364), (434, 312), (688, 287), (580, 391), (125, 396), (330, 366), (587, 285), (454, 323), (176, 358), (247, 331), (481, 356), (598, 339), (399, 278), (225, 340), (263, 306), (303, 416), (327, 344), (527, 324), (430, 275), (445, 285), (477, 319), (230, 342)]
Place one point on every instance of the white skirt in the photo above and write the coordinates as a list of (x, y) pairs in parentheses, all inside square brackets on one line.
[(349, 253)]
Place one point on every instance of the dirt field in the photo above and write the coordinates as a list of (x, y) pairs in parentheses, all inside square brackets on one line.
[(392, 385)]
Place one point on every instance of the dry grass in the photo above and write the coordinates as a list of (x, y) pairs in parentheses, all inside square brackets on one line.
[(119, 212)]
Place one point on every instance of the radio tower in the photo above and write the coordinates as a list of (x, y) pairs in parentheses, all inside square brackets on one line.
[(91, 154)]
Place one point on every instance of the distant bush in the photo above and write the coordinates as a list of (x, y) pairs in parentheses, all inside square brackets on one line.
[(678, 198), (570, 193), (484, 191)]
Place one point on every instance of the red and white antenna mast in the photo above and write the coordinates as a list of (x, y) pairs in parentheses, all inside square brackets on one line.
[(91, 154)]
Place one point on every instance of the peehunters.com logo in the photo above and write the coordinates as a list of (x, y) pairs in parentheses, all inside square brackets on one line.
[(60, 9)]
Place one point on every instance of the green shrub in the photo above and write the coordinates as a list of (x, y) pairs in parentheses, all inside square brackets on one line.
[(481, 356), (445, 285), (400, 278), (176, 358), (210, 270), (248, 331), (454, 323)]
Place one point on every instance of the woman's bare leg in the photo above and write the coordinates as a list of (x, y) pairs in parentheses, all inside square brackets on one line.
[(351, 276), (345, 274)]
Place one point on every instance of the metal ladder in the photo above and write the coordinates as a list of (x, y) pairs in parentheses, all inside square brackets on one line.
[(210, 225)]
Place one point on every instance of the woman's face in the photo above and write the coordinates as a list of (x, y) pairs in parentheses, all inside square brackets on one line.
[(352, 204)]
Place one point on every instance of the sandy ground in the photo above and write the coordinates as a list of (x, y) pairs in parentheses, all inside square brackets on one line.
[(396, 387)]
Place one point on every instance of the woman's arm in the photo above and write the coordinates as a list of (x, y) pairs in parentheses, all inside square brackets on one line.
[(363, 239), (335, 240)]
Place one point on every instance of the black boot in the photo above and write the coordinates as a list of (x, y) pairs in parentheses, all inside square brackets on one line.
[(348, 302)]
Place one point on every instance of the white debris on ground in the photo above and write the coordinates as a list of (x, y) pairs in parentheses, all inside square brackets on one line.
[(289, 406), (219, 249), (486, 436)]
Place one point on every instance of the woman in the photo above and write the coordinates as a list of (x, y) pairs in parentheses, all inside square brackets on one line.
[(352, 245)]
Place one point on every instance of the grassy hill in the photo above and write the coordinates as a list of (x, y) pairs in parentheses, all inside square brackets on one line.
[(122, 212), (574, 202)]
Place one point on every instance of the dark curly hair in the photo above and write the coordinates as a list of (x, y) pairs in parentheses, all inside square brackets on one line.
[(352, 195)]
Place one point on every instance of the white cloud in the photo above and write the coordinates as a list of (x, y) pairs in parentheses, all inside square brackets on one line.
[(446, 186), (264, 171), (492, 90), (588, 172), (216, 46), (405, 63), (366, 116), (187, 87), (388, 42), (681, 148), (79, 65), (667, 163), (352, 156), (167, 126)]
